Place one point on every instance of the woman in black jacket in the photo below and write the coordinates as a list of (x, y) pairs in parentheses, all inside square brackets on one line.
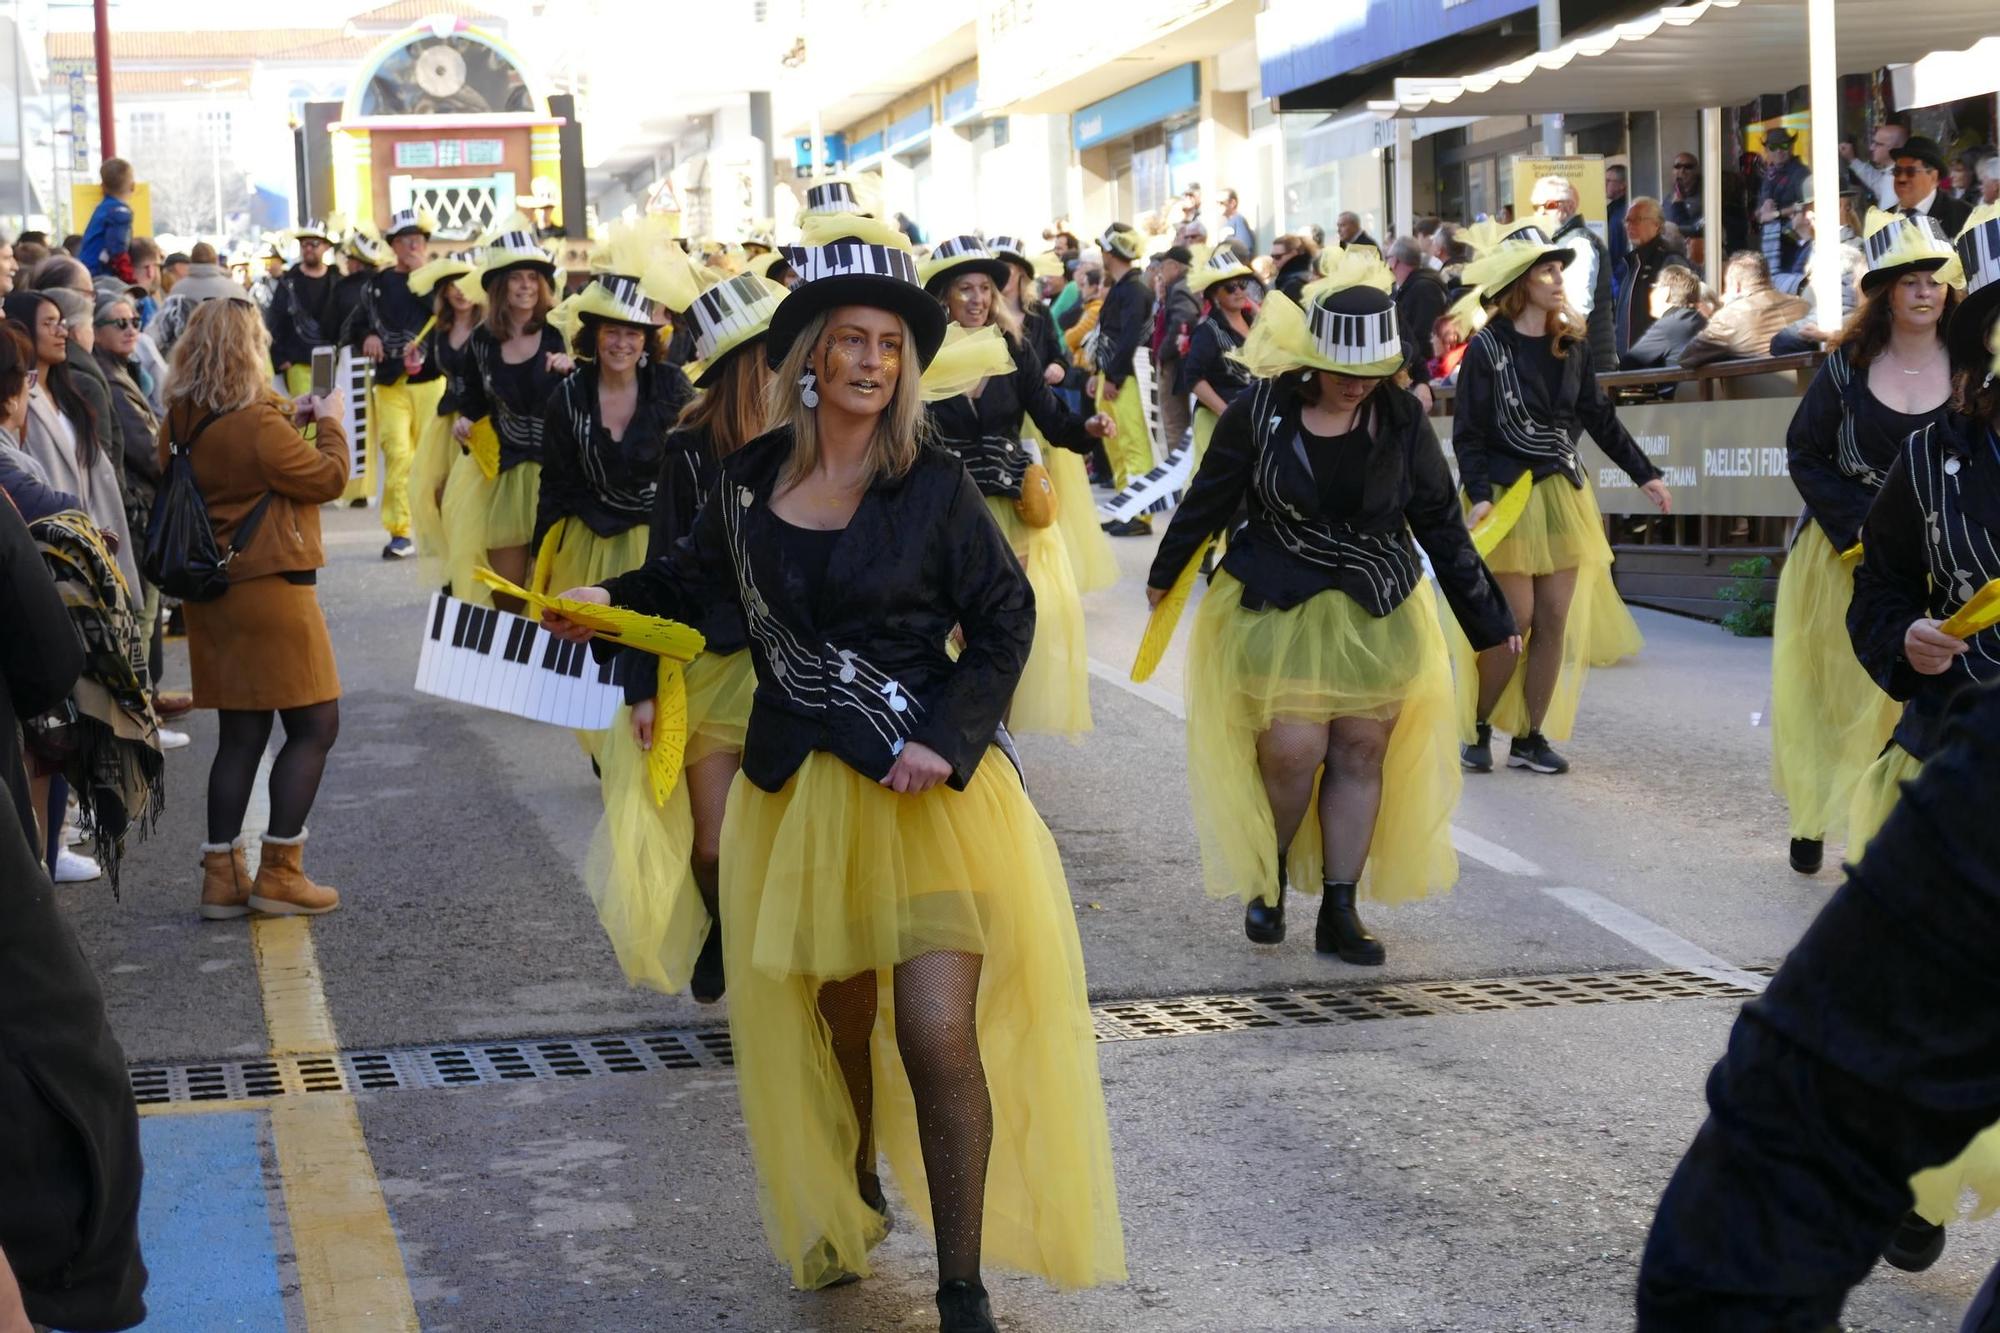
[(1208, 372), (1887, 376), (656, 882), (1319, 686), (879, 856), (1522, 400), (445, 353), (983, 427)]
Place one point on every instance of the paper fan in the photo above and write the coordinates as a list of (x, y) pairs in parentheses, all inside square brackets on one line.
[(484, 442), (545, 557), (665, 639), (1166, 616), (670, 726), (1981, 611), (1490, 531)]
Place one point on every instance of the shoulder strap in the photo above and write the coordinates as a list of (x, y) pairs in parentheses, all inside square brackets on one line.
[(183, 446)]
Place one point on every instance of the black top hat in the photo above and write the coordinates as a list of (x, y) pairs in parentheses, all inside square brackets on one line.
[(1778, 137), (1979, 253), (855, 272), (1923, 150)]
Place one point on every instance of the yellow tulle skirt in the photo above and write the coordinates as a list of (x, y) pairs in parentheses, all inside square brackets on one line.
[(582, 557), (1876, 792), (836, 876), (481, 516), (1090, 557), (639, 869), (436, 452), (1053, 696), (1829, 720), (1562, 528), (1322, 659)]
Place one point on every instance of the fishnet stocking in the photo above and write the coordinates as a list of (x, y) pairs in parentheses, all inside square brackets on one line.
[(1350, 794), (849, 1010), (937, 1033)]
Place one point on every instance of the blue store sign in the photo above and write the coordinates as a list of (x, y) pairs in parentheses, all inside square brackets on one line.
[(1304, 42), (1159, 98)]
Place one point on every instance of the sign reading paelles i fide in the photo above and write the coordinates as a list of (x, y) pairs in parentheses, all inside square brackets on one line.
[(1719, 458)]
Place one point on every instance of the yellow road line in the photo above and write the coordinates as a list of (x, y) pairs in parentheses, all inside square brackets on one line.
[(206, 1108), (351, 1274)]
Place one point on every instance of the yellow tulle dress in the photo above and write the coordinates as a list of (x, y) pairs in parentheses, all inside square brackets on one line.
[(835, 876), (582, 557), (639, 869), (1876, 792), (1561, 528), (1829, 720), (1090, 557), (481, 516), (429, 472), (1053, 697), (1322, 659)]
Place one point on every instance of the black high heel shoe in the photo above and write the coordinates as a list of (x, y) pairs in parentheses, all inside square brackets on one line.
[(963, 1308), (1264, 923), (1340, 931)]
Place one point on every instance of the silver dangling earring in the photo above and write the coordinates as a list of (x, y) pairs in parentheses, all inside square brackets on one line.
[(1305, 377), (807, 393)]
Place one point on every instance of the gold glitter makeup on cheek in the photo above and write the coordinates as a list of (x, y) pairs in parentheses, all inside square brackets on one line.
[(892, 364)]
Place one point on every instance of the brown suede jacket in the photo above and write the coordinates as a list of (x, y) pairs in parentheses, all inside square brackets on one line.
[(254, 450)]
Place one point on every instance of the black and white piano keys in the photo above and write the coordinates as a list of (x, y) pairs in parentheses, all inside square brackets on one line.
[(494, 659)]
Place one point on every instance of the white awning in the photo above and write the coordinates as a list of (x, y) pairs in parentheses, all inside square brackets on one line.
[(1710, 53), (1948, 76)]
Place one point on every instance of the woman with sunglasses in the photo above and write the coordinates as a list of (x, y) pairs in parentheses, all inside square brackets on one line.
[(1319, 703), (1208, 371)]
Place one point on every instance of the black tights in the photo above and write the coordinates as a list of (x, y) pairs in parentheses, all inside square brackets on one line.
[(295, 773), (937, 1004)]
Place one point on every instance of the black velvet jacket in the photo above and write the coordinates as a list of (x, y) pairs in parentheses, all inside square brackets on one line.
[(1291, 549), (588, 475), (864, 669), (1506, 423), (298, 316), (1124, 324), (1208, 359), (515, 398), (688, 474), (1929, 544), (985, 432), (393, 313), (454, 364), (1841, 444)]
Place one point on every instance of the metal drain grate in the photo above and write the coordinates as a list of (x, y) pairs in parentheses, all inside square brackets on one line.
[(486, 1064)]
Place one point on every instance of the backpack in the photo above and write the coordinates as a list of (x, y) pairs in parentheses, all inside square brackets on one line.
[(182, 558)]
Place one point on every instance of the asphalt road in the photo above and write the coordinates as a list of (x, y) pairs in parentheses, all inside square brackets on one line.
[(1490, 1168)]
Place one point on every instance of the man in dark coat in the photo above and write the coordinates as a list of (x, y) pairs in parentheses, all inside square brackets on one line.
[(1420, 303), (1645, 256), (300, 316), (1918, 170)]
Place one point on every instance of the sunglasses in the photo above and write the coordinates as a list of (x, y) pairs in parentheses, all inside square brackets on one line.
[(117, 323), (1904, 173), (1683, 166), (1236, 288)]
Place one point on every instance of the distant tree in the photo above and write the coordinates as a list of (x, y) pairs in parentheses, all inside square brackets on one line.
[(181, 173)]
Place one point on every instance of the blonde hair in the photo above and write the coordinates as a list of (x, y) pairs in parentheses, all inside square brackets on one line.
[(731, 409), (899, 430), (999, 312), (220, 361), (1564, 322)]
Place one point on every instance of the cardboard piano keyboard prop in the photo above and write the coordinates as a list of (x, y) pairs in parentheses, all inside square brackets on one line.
[(352, 376), (1156, 492), (493, 659)]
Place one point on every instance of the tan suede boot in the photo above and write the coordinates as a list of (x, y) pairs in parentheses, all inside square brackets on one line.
[(282, 888), (225, 881)]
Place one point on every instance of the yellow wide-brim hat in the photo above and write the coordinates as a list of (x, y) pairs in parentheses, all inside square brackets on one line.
[(1217, 263), (1504, 262), (438, 272), (1895, 244)]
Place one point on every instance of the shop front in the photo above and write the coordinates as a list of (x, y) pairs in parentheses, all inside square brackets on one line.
[(1141, 147)]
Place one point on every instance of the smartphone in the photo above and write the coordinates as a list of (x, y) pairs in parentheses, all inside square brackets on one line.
[(323, 368)]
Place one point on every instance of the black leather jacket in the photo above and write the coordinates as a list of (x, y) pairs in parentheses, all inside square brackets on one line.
[(587, 475), (863, 669)]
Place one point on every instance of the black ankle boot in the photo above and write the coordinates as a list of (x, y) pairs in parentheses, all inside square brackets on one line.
[(1916, 1244), (1808, 854), (707, 982), (963, 1308), (1340, 931), (1264, 923)]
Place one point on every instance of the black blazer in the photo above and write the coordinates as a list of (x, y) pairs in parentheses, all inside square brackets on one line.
[(1124, 325), (1951, 212), (588, 475), (863, 669), (985, 432), (392, 312), (1945, 475), (1208, 359), (1841, 445), (1489, 455), (1292, 550), (688, 474), (515, 396)]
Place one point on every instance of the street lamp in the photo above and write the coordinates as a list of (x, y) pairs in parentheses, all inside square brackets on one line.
[(211, 87)]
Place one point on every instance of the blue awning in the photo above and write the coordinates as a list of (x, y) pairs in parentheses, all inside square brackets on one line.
[(1304, 42), (1158, 98)]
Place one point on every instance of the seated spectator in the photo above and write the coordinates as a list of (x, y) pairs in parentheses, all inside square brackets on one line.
[(1805, 334), (1753, 311), (1989, 180), (1676, 320), (107, 239)]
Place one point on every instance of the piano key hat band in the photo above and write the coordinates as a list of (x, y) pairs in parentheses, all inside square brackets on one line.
[(953, 259), (1220, 264), (850, 260), (1969, 333), (406, 220), (1348, 326), (1896, 244), (512, 250), (728, 317)]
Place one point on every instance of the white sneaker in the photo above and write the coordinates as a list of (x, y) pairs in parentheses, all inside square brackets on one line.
[(174, 740), (72, 836), (76, 868)]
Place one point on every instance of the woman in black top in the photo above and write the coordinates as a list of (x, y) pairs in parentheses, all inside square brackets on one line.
[(1090, 556), (1888, 376), (444, 352), (1319, 687), (1522, 400), (883, 872), (517, 360), (1208, 372), (983, 426), (1927, 546), (655, 884)]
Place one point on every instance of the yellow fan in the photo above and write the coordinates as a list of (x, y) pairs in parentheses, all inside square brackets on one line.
[(670, 726), (1166, 616), (1490, 531), (484, 442), (665, 639), (1981, 611), (545, 557), (1852, 555)]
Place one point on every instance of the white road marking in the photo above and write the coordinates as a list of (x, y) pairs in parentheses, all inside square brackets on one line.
[(1152, 694), (1654, 938), (1492, 854)]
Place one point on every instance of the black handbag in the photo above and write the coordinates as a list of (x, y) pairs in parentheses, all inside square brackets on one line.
[(182, 558)]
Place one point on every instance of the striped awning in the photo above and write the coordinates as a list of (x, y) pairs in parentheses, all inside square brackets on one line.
[(1709, 53)]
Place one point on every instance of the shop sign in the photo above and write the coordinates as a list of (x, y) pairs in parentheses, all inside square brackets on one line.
[(1303, 42), (1585, 173), (1027, 47), (1717, 458), (429, 153)]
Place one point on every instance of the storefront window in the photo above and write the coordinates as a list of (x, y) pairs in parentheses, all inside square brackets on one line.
[(1149, 172), (1183, 157)]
